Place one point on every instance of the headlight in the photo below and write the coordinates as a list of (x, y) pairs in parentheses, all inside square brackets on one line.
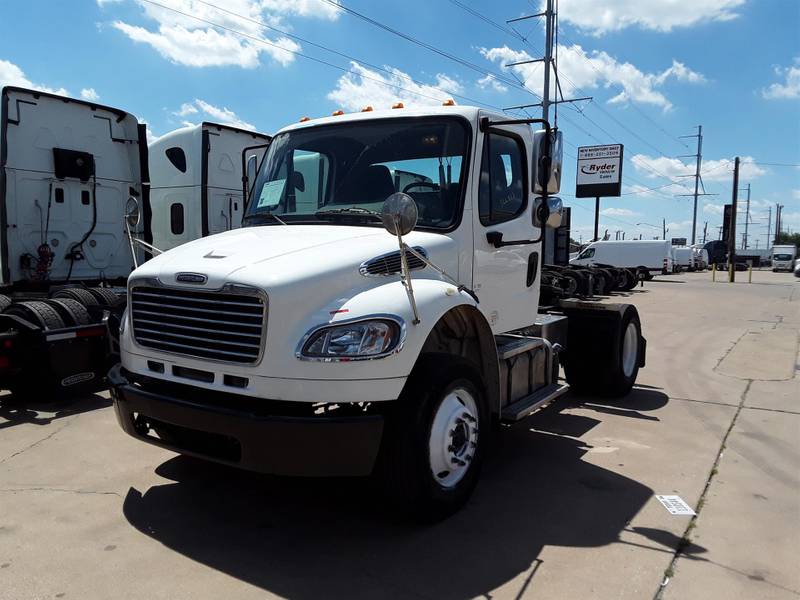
[(358, 340)]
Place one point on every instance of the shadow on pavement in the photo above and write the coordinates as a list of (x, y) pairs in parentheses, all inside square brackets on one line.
[(307, 538), (17, 411)]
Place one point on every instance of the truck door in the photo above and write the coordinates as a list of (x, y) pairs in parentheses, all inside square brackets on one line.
[(506, 279)]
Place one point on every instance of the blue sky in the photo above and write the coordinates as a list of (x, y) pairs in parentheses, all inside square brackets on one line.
[(655, 72)]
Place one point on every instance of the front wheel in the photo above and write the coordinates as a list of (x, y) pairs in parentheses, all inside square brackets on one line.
[(435, 442)]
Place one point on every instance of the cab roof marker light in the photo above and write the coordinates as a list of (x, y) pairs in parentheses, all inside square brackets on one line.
[(367, 108), (304, 119), (398, 105), (449, 102), (337, 113)]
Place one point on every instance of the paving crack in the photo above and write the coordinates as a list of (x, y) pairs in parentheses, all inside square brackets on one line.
[(54, 489), (659, 595), (36, 443)]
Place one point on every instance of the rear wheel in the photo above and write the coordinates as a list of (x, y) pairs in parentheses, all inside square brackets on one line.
[(37, 312), (435, 442), (603, 355), (81, 295), (105, 296), (71, 311)]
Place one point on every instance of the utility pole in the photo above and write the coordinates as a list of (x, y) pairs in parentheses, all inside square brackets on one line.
[(664, 228), (769, 225), (732, 234), (705, 231), (778, 211), (746, 218), (698, 180)]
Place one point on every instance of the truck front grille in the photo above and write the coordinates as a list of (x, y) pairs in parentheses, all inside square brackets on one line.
[(224, 326)]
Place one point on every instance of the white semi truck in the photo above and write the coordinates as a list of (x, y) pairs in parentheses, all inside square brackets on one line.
[(69, 170), (196, 181), (314, 342)]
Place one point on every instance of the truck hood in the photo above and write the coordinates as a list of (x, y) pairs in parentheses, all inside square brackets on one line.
[(276, 255)]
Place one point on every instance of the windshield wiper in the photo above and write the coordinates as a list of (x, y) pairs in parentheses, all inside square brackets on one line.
[(266, 215), (348, 211)]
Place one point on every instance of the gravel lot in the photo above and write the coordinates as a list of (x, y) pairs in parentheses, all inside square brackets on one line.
[(566, 507)]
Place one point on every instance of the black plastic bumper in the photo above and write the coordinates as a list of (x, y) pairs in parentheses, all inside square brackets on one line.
[(317, 446)]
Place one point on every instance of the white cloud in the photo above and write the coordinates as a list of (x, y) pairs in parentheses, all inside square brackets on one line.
[(11, 74), (796, 194), (658, 15), (618, 212), (712, 170), (491, 82), (194, 42), (365, 87), (661, 191), (788, 90), (584, 70), (219, 115), (713, 209), (90, 94)]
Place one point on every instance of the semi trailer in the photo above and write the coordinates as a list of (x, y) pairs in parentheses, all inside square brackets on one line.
[(69, 171), (388, 328), (196, 179)]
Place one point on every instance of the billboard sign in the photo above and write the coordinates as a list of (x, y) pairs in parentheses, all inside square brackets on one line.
[(599, 171), (678, 241)]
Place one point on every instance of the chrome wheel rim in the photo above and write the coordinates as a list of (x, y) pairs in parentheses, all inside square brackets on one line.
[(630, 346), (453, 437)]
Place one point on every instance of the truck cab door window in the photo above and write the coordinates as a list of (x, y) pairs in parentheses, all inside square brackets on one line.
[(501, 192), (588, 253)]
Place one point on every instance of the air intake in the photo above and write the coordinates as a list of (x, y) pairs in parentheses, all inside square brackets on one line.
[(389, 264)]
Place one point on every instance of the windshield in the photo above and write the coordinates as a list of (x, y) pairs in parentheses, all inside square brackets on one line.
[(341, 172), (782, 257)]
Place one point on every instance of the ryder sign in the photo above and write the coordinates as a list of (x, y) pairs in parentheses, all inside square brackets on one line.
[(599, 171)]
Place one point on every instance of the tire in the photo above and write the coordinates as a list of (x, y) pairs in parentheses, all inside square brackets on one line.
[(37, 312), (572, 283), (105, 296), (81, 295), (435, 441), (71, 311), (599, 362), (630, 280), (5, 302)]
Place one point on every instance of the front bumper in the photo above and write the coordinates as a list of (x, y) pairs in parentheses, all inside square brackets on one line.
[(246, 432)]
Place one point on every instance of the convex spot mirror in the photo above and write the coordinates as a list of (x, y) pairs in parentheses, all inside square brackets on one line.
[(399, 214), (133, 214), (549, 214), (552, 176)]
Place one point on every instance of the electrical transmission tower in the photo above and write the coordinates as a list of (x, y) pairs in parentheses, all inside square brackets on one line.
[(698, 179), (550, 62)]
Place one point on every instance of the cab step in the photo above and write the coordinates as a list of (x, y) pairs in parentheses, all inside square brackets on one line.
[(529, 404)]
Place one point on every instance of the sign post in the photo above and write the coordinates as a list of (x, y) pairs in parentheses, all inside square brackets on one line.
[(599, 175)]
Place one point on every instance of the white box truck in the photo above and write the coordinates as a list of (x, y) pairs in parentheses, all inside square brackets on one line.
[(69, 171), (683, 259), (648, 256), (196, 177), (385, 329), (783, 257)]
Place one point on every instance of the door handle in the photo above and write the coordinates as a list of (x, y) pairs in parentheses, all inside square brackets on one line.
[(495, 238)]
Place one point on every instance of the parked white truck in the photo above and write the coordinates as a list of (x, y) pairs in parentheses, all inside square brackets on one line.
[(69, 170), (648, 256), (683, 259), (196, 181), (783, 257), (313, 342)]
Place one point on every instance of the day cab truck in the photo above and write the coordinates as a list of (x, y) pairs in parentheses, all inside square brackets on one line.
[(783, 257), (69, 170), (388, 328)]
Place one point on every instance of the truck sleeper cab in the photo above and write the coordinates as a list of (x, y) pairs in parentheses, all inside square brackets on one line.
[(314, 342)]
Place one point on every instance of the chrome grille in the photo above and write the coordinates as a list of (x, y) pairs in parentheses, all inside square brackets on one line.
[(389, 264), (225, 326)]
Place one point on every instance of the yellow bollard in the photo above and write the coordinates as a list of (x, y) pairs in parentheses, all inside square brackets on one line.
[(714, 272), (730, 272)]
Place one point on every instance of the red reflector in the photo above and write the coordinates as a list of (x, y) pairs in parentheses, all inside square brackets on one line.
[(4, 364), (93, 332), (7, 344)]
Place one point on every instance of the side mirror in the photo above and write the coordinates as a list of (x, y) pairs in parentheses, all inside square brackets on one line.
[(399, 214), (544, 175), (550, 214), (133, 214), (252, 168), (298, 181)]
